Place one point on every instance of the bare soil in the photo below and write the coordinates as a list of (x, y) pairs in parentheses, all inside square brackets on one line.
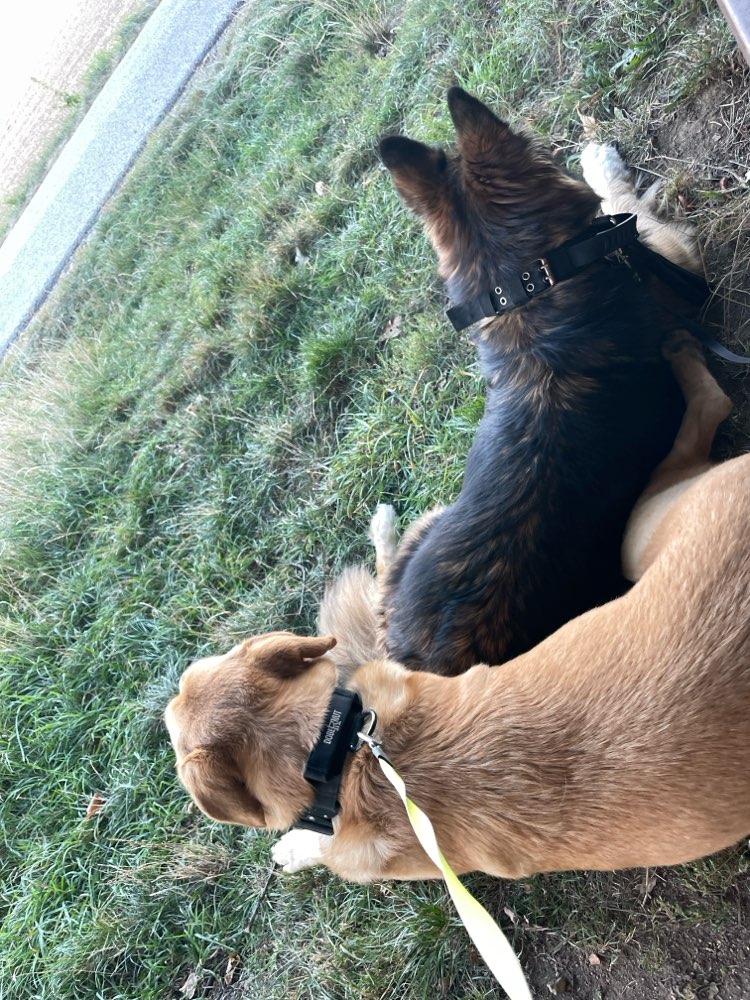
[(41, 110)]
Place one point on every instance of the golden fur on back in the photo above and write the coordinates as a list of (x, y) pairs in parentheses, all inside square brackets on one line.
[(619, 741)]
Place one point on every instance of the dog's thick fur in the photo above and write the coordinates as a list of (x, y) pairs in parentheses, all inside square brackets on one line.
[(580, 406), (619, 741)]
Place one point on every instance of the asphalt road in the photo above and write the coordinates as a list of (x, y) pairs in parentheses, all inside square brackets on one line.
[(142, 89)]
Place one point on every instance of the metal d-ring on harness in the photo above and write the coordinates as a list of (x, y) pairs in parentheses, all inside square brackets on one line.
[(614, 236)]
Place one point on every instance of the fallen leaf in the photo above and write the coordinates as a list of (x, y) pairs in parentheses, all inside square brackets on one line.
[(232, 966), (594, 959), (511, 914), (95, 806), (321, 188), (391, 329), (590, 125), (190, 985), (560, 985), (299, 258)]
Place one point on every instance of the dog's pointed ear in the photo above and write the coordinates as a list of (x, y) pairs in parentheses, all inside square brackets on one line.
[(418, 171), (211, 777), (286, 655), (478, 130)]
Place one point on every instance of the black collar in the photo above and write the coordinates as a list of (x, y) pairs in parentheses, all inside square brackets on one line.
[(608, 235), (338, 736), (603, 237)]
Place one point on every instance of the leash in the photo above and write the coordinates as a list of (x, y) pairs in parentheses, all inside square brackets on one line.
[(345, 729), (690, 286), (489, 940)]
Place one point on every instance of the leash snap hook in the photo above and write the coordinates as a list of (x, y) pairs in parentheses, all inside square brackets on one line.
[(365, 729)]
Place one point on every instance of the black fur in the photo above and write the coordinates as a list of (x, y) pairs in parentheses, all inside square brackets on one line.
[(580, 408)]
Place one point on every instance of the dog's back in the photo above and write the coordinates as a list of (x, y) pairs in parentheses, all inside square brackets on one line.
[(580, 407), (571, 434)]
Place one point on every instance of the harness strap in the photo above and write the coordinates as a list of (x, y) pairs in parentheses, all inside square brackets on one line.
[(690, 286), (603, 237)]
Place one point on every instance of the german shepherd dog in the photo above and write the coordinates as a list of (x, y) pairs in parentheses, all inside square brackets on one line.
[(580, 403)]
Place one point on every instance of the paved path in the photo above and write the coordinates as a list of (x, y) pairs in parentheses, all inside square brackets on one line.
[(142, 89)]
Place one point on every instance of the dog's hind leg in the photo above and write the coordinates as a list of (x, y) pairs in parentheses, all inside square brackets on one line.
[(706, 407), (605, 171)]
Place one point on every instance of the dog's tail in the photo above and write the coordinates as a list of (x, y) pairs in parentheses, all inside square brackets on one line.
[(349, 610)]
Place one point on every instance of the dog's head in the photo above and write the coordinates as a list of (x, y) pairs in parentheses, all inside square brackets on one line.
[(494, 204), (244, 723)]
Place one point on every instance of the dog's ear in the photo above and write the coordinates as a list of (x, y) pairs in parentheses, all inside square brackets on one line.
[(418, 171), (478, 130), (286, 655), (211, 777)]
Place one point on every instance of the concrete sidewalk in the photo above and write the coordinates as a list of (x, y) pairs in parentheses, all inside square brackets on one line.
[(142, 89)]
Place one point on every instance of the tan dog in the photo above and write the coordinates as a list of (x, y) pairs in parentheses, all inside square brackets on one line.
[(622, 740)]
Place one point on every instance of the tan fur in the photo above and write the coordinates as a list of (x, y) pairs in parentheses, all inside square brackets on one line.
[(606, 173), (348, 612), (620, 741)]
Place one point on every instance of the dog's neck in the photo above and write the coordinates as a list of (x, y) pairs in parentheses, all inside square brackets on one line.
[(417, 714), (325, 764)]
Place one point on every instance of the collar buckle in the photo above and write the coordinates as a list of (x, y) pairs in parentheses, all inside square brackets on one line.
[(547, 273)]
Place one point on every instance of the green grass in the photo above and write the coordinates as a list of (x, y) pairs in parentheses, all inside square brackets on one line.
[(195, 435)]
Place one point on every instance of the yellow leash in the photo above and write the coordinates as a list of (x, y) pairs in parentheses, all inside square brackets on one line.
[(490, 941)]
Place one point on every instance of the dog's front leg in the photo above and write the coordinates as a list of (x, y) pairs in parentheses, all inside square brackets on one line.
[(383, 535), (299, 849), (706, 407)]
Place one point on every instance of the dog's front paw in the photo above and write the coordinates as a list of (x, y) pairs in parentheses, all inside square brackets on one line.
[(603, 167), (298, 849), (383, 527), (383, 535)]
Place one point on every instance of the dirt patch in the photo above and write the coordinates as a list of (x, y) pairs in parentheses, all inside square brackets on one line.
[(705, 146), (678, 950), (52, 80)]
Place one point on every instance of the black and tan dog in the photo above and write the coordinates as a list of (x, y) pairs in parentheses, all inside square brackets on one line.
[(619, 741), (580, 405)]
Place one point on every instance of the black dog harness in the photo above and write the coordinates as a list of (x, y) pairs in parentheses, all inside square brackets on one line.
[(603, 237), (338, 736), (610, 236)]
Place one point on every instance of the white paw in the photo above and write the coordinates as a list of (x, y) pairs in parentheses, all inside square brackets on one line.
[(298, 849), (383, 528), (603, 167)]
